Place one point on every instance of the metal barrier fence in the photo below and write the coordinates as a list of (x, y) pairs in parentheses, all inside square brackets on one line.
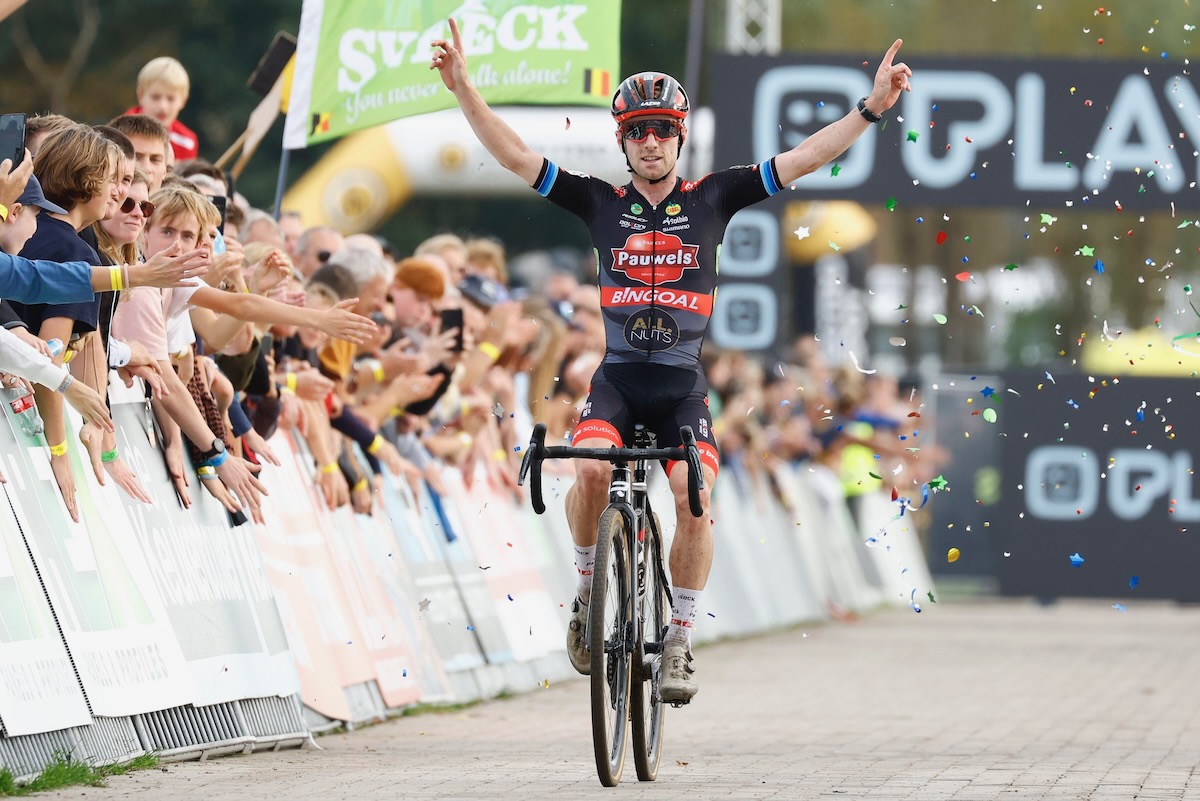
[(154, 629)]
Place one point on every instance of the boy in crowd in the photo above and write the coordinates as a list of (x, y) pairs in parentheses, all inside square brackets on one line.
[(162, 92), (151, 145)]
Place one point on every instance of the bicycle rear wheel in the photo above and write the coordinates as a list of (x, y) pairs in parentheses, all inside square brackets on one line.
[(647, 710), (610, 622)]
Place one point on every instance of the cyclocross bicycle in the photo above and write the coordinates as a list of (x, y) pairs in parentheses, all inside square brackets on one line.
[(625, 630)]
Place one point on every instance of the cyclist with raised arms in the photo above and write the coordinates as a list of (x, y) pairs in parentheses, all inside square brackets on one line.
[(657, 240)]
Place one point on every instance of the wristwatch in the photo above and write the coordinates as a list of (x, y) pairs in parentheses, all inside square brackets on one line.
[(218, 448), (867, 114)]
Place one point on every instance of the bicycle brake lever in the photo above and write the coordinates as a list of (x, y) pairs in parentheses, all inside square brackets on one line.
[(695, 474), (532, 461)]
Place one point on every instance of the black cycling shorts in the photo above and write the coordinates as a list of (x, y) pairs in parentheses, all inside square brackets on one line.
[(660, 397)]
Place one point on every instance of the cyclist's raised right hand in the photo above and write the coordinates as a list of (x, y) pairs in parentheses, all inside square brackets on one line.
[(450, 60)]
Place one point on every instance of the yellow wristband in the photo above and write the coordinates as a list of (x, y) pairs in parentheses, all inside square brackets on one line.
[(500, 455), (3, 213), (376, 444), (491, 350), (377, 371), (59, 450), (332, 467), (361, 484), (114, 278), (396, 411)]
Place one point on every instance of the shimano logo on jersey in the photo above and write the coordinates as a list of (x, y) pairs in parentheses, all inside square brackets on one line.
[(655, 257), (652, 330)]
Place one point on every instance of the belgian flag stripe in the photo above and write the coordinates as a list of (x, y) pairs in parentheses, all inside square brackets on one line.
[(597, 82)]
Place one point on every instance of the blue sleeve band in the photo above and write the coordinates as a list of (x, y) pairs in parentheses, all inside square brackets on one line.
[(31, 282), (216, 461), (769, 177), (238, 420), (546, 179)]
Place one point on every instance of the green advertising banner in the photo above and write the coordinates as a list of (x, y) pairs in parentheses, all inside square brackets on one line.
[(361, 63)]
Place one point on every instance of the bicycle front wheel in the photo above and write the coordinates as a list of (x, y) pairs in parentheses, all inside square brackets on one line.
[(648, 711), (610, 621)]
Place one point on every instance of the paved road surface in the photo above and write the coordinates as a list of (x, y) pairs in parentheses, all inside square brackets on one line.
[(979, 700)]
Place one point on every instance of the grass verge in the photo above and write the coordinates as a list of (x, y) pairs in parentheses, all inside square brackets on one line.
[(66, 771)]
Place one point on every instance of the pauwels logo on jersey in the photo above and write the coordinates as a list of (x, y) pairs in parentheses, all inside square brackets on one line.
[(655, 257)]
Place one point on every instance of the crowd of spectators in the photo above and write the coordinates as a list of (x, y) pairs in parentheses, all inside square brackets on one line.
[(377, 360)]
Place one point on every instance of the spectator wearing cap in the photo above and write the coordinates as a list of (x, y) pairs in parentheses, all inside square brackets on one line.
[(14, 233)]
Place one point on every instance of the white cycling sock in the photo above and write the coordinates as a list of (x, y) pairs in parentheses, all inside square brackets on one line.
[(683, 614), (585, 561)]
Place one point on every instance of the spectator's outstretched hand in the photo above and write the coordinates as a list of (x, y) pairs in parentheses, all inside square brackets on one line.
[(333, 488), (174, 456), (440, 347), (169, 268), (65, 479), (341, 323), (93, 439), (256, 443), (89, 404), (33, 341), (269, 272), (224, 267), (408, 389), (312, 385), (240, 482), (13, 179)]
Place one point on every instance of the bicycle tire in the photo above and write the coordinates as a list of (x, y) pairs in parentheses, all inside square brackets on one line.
[(610, 617), (648, 712)]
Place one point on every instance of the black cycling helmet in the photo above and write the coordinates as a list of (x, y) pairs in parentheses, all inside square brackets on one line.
[(649, 93)]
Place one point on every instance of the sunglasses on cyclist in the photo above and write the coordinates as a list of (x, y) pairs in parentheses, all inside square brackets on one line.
[(638, 131), (146, 206)]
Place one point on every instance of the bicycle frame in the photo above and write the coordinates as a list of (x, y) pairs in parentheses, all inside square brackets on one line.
[(623, 658)]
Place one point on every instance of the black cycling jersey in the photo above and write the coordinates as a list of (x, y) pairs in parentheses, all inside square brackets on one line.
[(658, 265)]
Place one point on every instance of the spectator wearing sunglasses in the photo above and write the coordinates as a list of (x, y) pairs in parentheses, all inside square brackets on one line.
[(314, 248), (117, 239)]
